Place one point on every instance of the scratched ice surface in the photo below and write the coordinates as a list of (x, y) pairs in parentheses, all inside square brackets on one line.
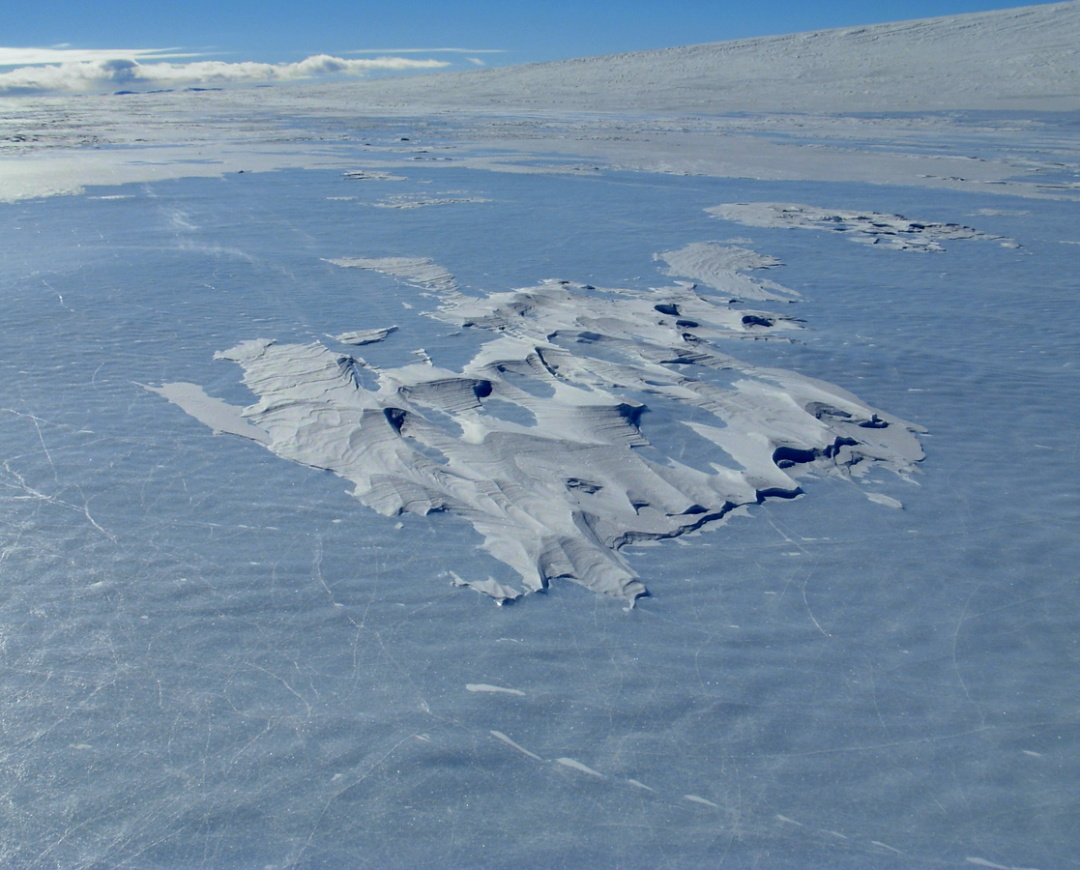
[(213, 657)]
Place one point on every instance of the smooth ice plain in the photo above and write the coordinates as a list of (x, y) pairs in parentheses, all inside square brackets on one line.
[(273, 441)]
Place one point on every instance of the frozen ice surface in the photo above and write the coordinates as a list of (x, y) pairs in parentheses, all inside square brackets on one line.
[(216, 658), (212, 657)]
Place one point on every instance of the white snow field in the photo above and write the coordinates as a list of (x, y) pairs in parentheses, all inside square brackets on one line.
[(298, 383)]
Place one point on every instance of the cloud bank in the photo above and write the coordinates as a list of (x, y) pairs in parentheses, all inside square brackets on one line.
[(427, 51), (112, 73), (65, 54)]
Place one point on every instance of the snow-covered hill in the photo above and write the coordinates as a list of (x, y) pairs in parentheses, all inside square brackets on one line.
[(666, 110), (1023, 58)]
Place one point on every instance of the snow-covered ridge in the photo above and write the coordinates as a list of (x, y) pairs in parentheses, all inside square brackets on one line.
[(1022, 58)]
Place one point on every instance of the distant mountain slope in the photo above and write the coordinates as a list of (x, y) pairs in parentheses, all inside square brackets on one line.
[(1023, 58)]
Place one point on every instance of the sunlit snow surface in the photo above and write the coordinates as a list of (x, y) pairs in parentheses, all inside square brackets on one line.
[(214, 657)]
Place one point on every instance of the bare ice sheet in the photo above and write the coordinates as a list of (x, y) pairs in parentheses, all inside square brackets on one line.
[(213, 657)]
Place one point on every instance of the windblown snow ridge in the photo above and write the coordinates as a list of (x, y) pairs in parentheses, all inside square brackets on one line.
[(542, 440), (867, 227)]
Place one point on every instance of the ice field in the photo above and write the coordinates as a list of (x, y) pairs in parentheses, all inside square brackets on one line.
[(263, 430)]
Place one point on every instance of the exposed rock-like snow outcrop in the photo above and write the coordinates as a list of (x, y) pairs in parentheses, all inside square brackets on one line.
[(542, 440), (725, 268), (867, 227), (418, 271)]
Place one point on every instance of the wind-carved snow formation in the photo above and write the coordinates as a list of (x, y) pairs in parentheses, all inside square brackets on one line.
[(867, 227), (541, 441), (419, 271), (725, 268)]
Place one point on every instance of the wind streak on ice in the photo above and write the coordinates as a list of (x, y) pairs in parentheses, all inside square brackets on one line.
[(560, 495)]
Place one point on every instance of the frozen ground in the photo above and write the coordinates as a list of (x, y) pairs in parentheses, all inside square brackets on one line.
[(214, 656)]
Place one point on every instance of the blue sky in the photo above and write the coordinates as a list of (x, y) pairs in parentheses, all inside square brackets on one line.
[(123, 33)]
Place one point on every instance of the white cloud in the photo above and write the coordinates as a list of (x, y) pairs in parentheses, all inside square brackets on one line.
[(111, 72), (64, 54), (427, 51)]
